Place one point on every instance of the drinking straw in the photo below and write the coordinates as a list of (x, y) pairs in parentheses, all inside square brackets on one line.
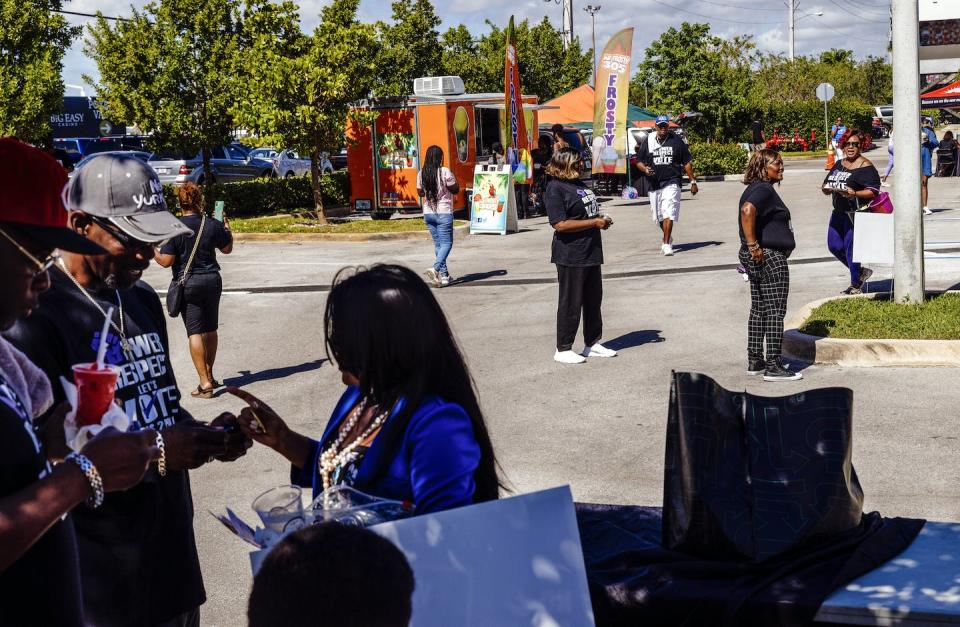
[(102, 349)]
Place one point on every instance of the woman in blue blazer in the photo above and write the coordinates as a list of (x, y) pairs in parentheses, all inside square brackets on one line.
[(408, 426)]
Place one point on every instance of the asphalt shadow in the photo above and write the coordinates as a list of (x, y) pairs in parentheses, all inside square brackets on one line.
[(682, 248), (247, 377), (477, 276), (634, 339)]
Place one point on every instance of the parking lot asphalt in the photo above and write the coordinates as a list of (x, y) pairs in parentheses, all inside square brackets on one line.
[(600, 426)]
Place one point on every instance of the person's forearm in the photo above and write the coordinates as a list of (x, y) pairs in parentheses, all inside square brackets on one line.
[(295, 447), (572, 226), (28, 514), (689, 170), (748, 220)]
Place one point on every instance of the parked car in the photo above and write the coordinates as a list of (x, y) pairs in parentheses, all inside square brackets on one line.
[(339, 160), (76, 148), (142, 155), (228, 164), (288, 163), (885, 113)]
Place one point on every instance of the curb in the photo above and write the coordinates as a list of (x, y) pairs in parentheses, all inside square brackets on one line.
[(720, 178), (864, 353), (459, 230)]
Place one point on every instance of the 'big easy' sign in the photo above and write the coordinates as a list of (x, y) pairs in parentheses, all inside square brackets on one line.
[(81, 118)]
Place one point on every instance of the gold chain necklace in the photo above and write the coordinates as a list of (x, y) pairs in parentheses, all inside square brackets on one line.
[(125, 344)]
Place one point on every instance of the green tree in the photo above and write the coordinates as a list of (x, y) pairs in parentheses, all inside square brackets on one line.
[(33, 41), (410, 47), (546, 69), (171, 70), (300, 87), (835, 56), (690, 69)]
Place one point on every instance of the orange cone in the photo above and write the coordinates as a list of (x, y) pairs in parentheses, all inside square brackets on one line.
[(831, 159)]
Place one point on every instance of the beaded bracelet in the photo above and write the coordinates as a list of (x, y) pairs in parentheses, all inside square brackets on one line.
[(95, 500), (162, 459)]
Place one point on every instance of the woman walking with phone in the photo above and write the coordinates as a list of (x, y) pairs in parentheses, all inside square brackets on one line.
[(194, 260), (437, 185)]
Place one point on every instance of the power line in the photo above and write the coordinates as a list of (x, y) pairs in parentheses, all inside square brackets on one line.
[(847, 35), (740, 8), (106, 17), (710, 17), (859, 17)]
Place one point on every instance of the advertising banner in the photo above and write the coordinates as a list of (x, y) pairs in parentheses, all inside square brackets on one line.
[(517, 141), (493, 208), (612, 90), (80, 117)]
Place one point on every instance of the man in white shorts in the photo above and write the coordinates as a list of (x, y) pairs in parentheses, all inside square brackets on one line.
[(663, 158)]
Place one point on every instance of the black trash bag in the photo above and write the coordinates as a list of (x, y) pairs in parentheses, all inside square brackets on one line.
[(747, 477)]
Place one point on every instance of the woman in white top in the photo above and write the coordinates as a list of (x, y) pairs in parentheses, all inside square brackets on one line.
[(437, 185)]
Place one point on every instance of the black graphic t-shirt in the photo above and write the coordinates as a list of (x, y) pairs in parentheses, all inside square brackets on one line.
[(43, 586), (138, 556), (214, 236), (666, 159), (774, 228), (855, 179), (571, 200)]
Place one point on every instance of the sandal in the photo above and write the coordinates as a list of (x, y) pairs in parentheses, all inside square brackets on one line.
[(201, 392)]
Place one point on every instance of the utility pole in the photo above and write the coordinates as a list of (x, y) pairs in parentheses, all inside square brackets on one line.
[(566, 28), (593, 10), (791, 14), (908, 276)]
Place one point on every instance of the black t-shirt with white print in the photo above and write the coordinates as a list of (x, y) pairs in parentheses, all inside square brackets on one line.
[(856, 179), (666, 159), (571, 200), (138, 556), (43, 586)]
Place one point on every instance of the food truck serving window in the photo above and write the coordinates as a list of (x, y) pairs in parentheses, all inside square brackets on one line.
[(487, 130)]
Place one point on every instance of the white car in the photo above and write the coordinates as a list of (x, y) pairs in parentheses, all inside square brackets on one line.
[(286, 163)]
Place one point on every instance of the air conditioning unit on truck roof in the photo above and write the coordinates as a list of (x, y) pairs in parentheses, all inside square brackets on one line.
[(438, 86)]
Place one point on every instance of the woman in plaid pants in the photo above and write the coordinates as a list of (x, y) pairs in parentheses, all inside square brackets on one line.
[(766, 241)]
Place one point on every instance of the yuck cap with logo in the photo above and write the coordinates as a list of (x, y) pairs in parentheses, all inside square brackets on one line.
[(662, 119), (126, 191)]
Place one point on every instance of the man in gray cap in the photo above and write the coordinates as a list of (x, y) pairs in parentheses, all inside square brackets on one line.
[(138, 556)]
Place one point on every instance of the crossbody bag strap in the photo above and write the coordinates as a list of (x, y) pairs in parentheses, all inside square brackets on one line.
[(196, 245)]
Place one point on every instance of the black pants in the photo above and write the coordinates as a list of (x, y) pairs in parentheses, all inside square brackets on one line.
[(769, 287), (201, 302), (580, 288)]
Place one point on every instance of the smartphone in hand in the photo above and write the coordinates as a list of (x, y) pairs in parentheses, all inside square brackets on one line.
[(218, 210)]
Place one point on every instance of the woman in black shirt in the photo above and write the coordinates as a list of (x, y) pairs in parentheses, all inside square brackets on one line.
[(853, 182), (201, 294), (766, 240), (578, 253)]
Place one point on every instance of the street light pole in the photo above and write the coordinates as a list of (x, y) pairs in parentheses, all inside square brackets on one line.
[(566, 28), (593, 10), (908, 275)]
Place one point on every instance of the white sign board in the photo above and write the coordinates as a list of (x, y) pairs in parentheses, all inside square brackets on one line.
[(825, 92), (515, 561), (873, 238)]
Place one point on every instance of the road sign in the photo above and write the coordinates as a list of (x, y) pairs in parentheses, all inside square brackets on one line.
[(825, 92)]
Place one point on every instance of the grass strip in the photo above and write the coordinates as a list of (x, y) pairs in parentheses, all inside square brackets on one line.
[(306, 224), (937, 318)]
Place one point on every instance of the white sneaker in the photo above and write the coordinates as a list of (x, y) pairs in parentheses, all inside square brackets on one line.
[(444, 280), (432, 276), (666, 249), (926, 211), (884, 184), (568, 357), (598, 350)]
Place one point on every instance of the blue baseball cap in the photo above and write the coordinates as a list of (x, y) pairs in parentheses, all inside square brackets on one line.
[(662, 119)]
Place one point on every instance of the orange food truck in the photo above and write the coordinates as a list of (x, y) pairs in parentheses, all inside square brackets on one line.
[(383, 161)]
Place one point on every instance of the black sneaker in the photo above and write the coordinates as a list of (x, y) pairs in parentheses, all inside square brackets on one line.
[(852, 291), (777, 372), (865, 274), (756, 366)]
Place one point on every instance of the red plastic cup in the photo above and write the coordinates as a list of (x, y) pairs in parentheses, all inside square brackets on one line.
[(95, 391)]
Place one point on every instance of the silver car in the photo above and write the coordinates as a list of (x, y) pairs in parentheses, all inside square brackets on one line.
[(288, 163), (228, 164)]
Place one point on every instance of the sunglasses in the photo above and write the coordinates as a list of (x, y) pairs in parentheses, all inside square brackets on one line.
[(854, 144), (42, 266), (126, 240)]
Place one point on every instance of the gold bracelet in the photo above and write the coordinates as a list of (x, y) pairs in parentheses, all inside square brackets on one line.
[(162, 459)]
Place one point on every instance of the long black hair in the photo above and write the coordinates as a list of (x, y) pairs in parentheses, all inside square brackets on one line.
[(384, 326), (430, 175)]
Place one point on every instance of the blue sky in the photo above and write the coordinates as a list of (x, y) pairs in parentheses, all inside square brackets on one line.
[(860, 25)]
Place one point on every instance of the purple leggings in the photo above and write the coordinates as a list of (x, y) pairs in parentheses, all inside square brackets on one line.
[(840, 243)]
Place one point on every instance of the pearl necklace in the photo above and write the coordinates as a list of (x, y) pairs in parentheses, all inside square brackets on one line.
[(125, 345), (334, 456)]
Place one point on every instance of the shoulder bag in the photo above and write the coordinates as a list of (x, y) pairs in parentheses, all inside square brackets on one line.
[(176, 289)]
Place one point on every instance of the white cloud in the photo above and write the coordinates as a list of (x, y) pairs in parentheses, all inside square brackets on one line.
[(835, 29)]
